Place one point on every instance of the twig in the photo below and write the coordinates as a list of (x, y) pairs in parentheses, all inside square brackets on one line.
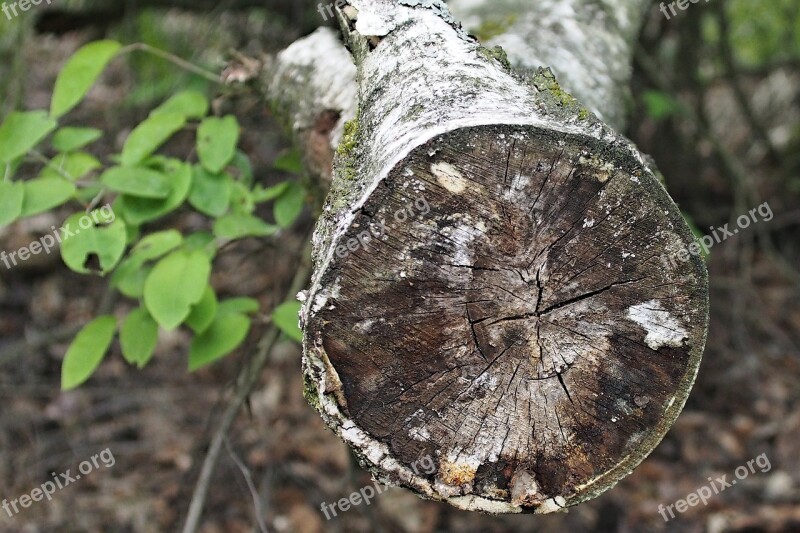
[(248, 379), (38, 156), (182, 63), (249, 480)]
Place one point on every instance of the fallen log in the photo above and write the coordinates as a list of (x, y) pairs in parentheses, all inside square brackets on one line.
[(490, 293)]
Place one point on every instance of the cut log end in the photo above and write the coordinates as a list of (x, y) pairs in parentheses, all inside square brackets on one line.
[(501, 326)]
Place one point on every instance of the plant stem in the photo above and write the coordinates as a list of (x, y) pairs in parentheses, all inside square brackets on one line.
[(247, 380), (182, 63)]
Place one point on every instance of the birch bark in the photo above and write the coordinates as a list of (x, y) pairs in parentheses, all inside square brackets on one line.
[(588, 44)]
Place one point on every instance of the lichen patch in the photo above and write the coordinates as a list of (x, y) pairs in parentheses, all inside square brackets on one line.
[(449, 177), (661, 327), (457, 473)]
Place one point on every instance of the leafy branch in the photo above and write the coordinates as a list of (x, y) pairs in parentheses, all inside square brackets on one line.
[(166, 272)]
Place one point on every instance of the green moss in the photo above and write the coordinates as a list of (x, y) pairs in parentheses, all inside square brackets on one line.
[(346, 150), (497, 54), (545, 82), (349, 138), (311, 393), (494, 27)]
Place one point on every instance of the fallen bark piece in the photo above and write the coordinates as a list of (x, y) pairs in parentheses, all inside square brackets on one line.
[(489, 292)]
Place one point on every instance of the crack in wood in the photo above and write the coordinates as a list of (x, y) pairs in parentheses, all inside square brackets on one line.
[(503, 347)]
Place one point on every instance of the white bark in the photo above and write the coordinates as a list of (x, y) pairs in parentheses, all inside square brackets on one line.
[(587, 44)]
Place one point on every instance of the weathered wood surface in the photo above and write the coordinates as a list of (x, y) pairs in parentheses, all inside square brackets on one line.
[(488, 288)]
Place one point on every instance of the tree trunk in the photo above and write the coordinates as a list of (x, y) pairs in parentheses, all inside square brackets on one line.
[(588, 45), (494, 319)]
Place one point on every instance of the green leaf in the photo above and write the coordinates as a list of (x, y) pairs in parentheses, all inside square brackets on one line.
[(286, 317), (88, 194), (156, 245), (202, 241), (79, 74), (22, 131), (44, 194), (129, 278), (134, 233), (138, 211), (239, 226), (226, 333), (148, 136), (11, 200), (190, 104), (244, 306), (138, 337), (216, 142), (211, 193), (99, 234), (203, 312), (242, 199), (87, 351), (242, 163), (73, 165), (69, 139), (11, 168), (176, 284), (289, 205), (261, 195), (130, 275), (290, 161), (137, 181)]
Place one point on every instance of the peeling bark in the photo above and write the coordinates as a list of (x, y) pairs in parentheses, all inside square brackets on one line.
[(488, 288)]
